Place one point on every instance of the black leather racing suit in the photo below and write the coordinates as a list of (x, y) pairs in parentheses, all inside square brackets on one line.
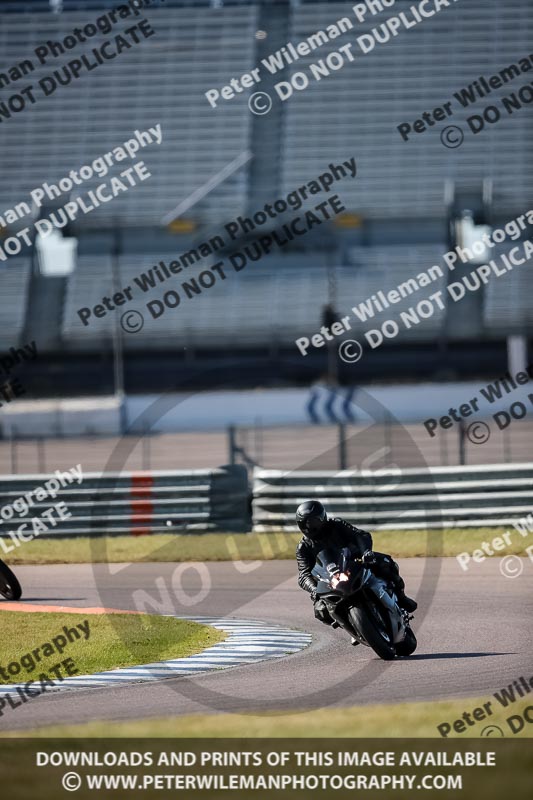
[(338, 533)]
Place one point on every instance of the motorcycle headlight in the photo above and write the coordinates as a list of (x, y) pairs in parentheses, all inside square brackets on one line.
[(340, 577)]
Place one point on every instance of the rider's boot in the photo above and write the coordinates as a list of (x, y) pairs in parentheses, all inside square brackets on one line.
[(407, 603)]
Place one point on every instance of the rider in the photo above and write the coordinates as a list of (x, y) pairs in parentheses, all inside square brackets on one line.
[(319, 532)]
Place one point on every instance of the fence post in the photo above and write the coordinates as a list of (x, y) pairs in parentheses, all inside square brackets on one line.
[(443, 450), (13, 450), (388, 436), (342, 445), (146, 450), (462, 457), (507, 455), (41, 459), (231, 444), (258, 441)]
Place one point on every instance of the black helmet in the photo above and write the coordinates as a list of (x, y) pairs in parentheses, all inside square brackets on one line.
[(311, 517)]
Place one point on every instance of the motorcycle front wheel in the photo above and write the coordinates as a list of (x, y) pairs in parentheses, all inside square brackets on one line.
[(408, 645), (374, 632), (9, 586)]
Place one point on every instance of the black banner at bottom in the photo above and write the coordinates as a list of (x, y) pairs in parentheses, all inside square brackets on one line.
[(264, 768)]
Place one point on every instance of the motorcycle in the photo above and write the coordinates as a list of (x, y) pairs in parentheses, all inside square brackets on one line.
[(363, 604), (9, 586)]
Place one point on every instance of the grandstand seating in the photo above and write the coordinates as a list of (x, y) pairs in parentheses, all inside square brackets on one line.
[(273, 301), (14, 283), (162, 80), (507, 306), (354, 112)]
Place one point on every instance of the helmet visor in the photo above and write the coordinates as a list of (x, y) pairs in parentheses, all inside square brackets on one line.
[(314, 526)]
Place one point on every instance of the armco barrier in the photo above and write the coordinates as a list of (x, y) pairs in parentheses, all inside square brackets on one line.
[(139, 502), (398, 499)]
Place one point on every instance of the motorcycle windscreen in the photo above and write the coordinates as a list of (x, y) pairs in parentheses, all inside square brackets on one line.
[(328, 557), (358, 576)]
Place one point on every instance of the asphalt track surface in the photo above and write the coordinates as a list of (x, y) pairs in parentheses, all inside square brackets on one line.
[(474, 631)]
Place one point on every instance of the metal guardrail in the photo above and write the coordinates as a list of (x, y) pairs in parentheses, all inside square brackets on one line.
[(203, 500), (138, 502), (399, 499)]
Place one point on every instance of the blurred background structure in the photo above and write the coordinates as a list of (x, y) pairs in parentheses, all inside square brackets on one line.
[(402, 214)]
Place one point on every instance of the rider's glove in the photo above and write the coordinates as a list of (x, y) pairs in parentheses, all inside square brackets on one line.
[(313, 595), (369, 557)]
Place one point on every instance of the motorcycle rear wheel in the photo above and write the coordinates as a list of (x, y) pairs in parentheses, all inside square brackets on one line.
[(377, 638), (9, 586)]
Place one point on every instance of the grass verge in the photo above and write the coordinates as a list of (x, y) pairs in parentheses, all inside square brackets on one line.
[(245, 546), (416, 720), (114, 640)]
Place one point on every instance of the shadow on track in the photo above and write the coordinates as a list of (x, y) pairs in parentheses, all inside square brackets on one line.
[(67, 600), (427, 656)]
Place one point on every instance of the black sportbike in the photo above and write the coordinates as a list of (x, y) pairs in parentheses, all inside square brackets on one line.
[(363, 604), (9, 585)]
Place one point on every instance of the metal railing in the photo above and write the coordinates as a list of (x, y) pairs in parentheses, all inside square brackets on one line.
[(344, 446), (458, 497), (341, 446), (132, 502)]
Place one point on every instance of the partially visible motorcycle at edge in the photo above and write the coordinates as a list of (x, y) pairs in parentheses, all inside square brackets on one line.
[(10, 588), (363, 604)]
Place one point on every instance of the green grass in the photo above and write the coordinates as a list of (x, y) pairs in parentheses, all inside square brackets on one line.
[(416, 720), (245, 546), (115, 640)]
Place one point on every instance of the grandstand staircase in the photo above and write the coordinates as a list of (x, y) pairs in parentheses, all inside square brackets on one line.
[(44, 309), (267, 130)]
